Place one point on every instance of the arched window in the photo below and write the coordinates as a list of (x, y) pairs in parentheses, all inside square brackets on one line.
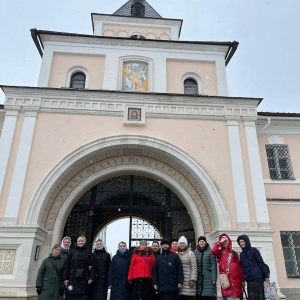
[(77, 80), (138, 10), (137, 37), (190, 87)]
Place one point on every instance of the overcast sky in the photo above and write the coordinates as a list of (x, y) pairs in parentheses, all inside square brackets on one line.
[(266, 64)]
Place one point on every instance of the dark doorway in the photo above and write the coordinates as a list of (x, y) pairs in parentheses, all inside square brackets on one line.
[(134, 197)]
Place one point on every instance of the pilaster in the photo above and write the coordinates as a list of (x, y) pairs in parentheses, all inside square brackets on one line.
[(261, 209), (6, 140), (18, 180), (237, 167)]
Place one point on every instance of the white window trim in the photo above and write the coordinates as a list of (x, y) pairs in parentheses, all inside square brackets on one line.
[(194, 76), (277, 157), (76, 69)]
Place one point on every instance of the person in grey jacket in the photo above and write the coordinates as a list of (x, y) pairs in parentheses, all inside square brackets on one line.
[(189, 265), (207, 271)]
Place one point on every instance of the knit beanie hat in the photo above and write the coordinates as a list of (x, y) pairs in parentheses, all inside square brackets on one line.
[(165, 241), (183, 240), (202, 238)]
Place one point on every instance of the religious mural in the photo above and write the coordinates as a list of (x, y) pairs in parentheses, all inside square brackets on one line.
[(135, 76)]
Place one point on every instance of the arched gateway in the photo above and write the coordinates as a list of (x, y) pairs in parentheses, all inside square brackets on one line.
[(119, 157)]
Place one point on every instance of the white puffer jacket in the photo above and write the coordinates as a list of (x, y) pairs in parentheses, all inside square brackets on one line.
[(189, 264)]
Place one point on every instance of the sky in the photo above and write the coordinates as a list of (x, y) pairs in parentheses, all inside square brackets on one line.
[(266, 63)]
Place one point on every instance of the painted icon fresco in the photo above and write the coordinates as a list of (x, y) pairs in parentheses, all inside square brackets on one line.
[(135, 76), (134, 114)]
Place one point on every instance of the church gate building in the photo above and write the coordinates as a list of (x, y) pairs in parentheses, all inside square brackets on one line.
[(130, 121)]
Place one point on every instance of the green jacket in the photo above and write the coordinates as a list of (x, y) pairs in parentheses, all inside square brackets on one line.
[(50, 278), (207, 272)]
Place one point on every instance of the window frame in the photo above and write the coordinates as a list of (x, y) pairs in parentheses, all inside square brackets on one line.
[(291, 252), (277, 159), (190, 87), (72, 80), (194, 76), (73, 70)]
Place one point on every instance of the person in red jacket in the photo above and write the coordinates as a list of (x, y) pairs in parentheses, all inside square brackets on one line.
[(229, 264), (140, 272)]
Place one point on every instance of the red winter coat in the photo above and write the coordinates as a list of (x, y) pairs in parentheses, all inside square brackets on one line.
[(235, 275), (141, 265)]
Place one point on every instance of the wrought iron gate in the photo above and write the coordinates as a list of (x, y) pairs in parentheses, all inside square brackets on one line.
[(136, 197)]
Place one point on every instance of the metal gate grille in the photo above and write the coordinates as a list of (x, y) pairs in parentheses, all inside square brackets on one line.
[(136, 197)]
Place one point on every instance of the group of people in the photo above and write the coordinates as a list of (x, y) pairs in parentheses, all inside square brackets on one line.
[(74, 273), (166, 271)]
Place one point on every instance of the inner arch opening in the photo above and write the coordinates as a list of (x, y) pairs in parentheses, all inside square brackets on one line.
[(134, 197)]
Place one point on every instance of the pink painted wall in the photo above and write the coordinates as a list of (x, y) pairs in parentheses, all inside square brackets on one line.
[(176, 69), (277, 189), (130, 30), (61, 63), (57, 135), (278, 218)]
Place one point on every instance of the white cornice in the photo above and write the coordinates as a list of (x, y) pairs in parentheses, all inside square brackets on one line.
[(113, 103), (278, 125), (85, 40), (137, 21)]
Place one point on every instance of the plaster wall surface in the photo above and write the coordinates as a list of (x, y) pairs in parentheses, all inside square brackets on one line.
[(281, 189), (58, 135), (283, 217), (63, 62), (144, 30), (209, 66), (176, 69)]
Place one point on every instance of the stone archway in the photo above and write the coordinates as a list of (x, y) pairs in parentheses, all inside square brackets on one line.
[(79, 171)]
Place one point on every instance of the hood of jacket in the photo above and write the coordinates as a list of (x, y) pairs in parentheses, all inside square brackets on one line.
[(229, 247), (247, 241)]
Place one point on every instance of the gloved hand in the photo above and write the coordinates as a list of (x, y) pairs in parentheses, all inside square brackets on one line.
[(39, 290), (192, 284)]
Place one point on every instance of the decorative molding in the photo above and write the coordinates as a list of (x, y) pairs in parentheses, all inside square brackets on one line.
[(289, 202), (75, 69), (7, 260), (127, 157), (278, 125), (275, 140), (290, 182), (109, 103), (134, 115), (92, 162), (194, 76)]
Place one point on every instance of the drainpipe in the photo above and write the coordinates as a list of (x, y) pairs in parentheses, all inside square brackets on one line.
[(268, 124)]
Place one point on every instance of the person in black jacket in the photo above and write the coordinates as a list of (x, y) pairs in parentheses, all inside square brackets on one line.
[(118, 273), (102, 262), (79, 271), (254, 268), (167, 273)]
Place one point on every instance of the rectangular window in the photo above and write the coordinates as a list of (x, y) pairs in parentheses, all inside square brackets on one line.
[(279, 162), (290, 241)]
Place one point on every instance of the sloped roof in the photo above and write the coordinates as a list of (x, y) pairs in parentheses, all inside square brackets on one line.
[(125, 10)]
